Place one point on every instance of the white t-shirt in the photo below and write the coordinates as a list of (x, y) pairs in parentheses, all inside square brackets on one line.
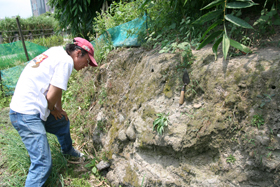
[(54, 67)]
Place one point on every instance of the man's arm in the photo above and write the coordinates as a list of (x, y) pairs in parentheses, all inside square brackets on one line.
[(54, 98)]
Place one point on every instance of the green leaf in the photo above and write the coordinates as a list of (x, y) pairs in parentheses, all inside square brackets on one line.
[(239, 46), (237, 21), (209, 16), (211, 27), (80, 8), (72, 9), (88, 165), (238, 5), (216, 45), (144, 3), (226, 44), (215, 3), (210, 38), (88, 1), (94, 170)]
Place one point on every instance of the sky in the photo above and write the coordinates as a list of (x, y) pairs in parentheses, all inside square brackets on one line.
[(9, 8)]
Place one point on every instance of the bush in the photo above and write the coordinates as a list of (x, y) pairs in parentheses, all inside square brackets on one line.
[(117, 14)]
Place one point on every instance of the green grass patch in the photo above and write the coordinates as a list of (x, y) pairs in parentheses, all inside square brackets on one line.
[(16, 159)]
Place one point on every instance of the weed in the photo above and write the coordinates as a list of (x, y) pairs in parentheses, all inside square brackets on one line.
[(4, 100), (257, 120), (193, 85), (102, 96), (252, 141), (265, 22), (161, 122), (102, 47), (143, 180), (92, 166), (269, 155), (231, 159)]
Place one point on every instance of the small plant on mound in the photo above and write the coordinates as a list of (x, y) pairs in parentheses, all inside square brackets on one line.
[(257, 120), (161, 122), (231, 159)]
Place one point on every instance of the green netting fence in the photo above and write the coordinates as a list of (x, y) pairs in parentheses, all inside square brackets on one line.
[(10, 77), (12, 54), (126, 34)]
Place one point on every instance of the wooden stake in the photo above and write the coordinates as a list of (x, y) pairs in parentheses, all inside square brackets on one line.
[(22, 39)]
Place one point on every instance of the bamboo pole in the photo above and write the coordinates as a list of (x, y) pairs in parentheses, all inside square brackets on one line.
[(22, 39)]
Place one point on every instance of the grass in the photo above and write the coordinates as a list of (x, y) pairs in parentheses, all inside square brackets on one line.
[(65, 171), (161, 122), (17, 160), (231, 159), (257, 120)]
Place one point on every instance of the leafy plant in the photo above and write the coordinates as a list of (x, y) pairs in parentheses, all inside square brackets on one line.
[(93, 167), (220, 16), (161, 122), (257, 120), (4, 99), (231, 159), (267, 20), (118, 13), (102, 47)]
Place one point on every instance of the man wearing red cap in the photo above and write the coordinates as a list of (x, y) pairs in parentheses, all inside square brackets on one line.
[(36, 106)]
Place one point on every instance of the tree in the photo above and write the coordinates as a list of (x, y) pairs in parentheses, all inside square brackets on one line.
[(77, 15)]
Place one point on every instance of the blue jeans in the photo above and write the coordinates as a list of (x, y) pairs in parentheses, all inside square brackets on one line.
[(33, 134)]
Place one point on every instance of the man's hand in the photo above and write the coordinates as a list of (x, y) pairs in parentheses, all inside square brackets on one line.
[(58, 114)]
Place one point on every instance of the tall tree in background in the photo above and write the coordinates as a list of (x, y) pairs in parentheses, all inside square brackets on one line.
[(77, 15)]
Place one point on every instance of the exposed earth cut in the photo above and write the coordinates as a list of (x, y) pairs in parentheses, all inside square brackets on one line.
[(226, 133)]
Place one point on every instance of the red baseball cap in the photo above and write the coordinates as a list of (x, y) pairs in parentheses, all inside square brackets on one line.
[(86, 45)]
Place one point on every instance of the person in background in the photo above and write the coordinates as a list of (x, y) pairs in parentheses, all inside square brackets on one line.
[(36, 106)]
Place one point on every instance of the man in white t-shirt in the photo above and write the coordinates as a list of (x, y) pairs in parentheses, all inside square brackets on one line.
[(36, 106)]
